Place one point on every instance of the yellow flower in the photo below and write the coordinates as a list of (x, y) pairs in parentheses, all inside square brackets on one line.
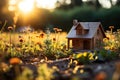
[(75, 61), (91, 56), (85, 54), (79, 55), (105, 40), (107, 47)]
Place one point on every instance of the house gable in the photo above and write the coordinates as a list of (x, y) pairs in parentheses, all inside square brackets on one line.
[(80, 30), (100, 32)]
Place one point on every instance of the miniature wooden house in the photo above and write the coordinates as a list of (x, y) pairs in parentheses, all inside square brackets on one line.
[(85, 35)]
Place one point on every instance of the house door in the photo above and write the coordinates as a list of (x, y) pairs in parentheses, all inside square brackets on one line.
[(86, 44)]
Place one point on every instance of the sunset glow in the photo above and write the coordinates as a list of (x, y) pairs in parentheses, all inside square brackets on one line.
[(26, 5)]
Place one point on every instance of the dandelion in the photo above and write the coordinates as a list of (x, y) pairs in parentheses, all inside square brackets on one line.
[(15, 61)]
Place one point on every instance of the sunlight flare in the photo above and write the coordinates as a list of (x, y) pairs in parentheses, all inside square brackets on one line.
[(26, 5)]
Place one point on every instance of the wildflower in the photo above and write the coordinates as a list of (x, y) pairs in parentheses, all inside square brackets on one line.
[(18, 49), (105, 40), (4, 66), (41, 35), (7, 45), (107, 47), (85, 54), (65, 47), (37, 36), (76, 69), (81, 71), (79, 55), (20, 36), (21, 40), (38, 43), (10, 28), (75, 61), (59, 30), (111, 27), (54, 39), (118, 30), (15, 61), (55, 29)]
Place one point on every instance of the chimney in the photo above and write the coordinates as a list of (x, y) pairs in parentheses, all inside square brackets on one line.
[(75, 22)]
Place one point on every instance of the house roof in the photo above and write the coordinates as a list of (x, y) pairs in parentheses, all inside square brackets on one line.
[(92, 26)]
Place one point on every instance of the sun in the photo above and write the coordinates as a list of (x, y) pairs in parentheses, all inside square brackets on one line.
[(26, 5)]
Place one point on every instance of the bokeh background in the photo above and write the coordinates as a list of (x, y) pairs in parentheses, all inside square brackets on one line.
[(59, 13)]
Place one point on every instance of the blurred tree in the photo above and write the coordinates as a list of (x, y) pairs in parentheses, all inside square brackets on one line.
[(111, 2), (62, 4), (94, 3), (4, 15), (76, 3), (98, 5), (90, 10), (118, 3)]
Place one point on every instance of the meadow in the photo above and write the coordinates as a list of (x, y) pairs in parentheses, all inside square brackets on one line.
[(50, 58)]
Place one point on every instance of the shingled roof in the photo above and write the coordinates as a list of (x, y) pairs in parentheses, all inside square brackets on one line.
[(91, 26)]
